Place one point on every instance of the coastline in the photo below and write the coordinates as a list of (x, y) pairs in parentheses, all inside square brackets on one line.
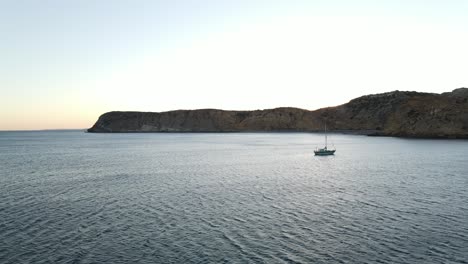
[(396, 114)]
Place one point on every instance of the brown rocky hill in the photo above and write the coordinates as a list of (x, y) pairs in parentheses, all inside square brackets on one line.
[(397, 113)]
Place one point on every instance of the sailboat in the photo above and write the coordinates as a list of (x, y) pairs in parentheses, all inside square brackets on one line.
[(324, 151)]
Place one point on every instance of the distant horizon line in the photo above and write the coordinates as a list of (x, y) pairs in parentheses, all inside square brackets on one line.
[(44, 130)]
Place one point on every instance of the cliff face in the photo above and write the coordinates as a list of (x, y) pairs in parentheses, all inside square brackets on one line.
[(208, 120), (395, 113)]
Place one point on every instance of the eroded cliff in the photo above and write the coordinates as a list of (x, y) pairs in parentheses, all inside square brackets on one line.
[(397, 113)]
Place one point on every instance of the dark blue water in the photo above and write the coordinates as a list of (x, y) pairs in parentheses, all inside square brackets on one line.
[(74, 197)]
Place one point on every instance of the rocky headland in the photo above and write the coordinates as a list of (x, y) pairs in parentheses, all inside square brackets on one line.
[(397, 113)]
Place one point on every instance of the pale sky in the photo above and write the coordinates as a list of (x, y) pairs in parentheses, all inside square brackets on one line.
[(64, 63)]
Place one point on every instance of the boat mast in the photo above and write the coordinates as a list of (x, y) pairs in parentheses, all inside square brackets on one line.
[(326, 135)]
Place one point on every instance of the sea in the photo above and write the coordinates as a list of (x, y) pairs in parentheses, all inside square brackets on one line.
[(77, 197)]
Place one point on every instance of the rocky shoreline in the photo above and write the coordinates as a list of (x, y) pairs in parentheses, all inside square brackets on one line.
[(397, 113)]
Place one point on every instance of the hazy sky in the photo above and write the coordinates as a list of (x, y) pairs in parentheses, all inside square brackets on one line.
[(63, 63)]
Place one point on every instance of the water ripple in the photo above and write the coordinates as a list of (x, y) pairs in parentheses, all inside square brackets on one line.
[(71, 197)]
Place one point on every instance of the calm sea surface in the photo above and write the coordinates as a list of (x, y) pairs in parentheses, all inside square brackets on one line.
[(75, 197)]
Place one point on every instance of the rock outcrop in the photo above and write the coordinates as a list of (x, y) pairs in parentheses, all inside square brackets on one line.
[(397, 113)]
